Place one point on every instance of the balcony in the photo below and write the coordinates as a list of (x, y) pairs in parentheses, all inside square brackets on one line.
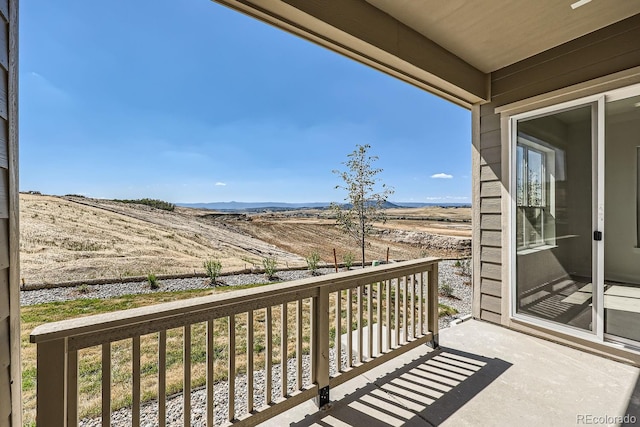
[(263, 350), (481, 374)]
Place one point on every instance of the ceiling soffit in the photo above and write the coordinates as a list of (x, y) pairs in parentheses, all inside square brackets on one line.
[(492, 34)]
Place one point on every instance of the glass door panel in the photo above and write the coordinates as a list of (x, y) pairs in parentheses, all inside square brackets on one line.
[(554, 217), (622, 220)]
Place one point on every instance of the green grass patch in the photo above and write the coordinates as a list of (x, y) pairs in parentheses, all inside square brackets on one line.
[(445, 310)]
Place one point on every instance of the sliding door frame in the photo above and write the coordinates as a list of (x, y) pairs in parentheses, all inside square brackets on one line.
[(597, 104)]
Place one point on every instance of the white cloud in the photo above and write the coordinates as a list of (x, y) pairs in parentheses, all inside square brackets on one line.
[(441, 176), (441, 198), (45, 88), (221, 184)]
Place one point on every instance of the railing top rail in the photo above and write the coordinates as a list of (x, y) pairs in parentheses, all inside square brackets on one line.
[(175, 309)]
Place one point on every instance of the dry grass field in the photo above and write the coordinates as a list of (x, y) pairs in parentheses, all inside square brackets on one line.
[(76, 238)]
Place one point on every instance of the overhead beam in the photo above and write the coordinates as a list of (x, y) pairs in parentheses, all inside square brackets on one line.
[(360, 31)]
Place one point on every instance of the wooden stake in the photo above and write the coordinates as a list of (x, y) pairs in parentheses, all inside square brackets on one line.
[(335, 259), (387, 254)]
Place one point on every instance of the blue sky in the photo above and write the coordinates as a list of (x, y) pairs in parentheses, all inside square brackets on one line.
[(188, 101)]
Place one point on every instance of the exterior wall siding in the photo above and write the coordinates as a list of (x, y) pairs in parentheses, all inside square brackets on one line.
[(603, 52), (606, 51), (487, 239), (10, 372)]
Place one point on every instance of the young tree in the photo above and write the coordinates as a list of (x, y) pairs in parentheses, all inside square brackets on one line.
[(364, 203)]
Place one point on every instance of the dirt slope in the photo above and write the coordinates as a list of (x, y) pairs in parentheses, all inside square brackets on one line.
[(74, 238)]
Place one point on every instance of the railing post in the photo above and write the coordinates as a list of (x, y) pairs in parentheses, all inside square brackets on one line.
[(321, 324), (52, 378), (432, 298)]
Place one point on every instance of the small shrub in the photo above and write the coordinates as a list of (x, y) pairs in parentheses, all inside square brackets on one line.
[(154, 203), (213, 267), (457, 264), (312, 263), (83, 289), (269, 264), (153, 281), (446, 290), (348, 259)]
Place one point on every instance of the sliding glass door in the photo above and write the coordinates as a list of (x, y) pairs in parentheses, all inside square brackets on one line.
[(554, 199), (622, 220), (575, 185)]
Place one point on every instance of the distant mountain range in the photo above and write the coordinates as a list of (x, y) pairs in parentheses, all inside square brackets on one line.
[(239, 206)]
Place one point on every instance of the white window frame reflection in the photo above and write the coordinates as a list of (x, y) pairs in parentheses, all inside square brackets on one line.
[(545, 200)]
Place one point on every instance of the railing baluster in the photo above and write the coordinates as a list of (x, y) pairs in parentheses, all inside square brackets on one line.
[(268, 354), (299, 344), (210, 372), (106, 384), (250, 361), (72, 388), (186, 388), (321, 314), (338, 326), (313, 337), (232, 368), (388, 313), (412, 306), (433, 303), (360, 321), (421, 305), (283, 348), (135, 389), (350, 327), (379, 316), (370, 320), (397, 312), (162, 378), (405, 309)]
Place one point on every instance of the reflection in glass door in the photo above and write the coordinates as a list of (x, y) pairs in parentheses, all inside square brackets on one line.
[(554, 216), (622, 220)]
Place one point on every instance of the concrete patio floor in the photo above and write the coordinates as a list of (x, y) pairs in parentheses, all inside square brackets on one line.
[(483, 375)]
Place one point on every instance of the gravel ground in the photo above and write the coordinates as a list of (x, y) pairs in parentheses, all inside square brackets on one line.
[(448, 273), (113, 290)]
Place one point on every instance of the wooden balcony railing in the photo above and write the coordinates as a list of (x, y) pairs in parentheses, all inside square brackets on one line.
[(343, 324)]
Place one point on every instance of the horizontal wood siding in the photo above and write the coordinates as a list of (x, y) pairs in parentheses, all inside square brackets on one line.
[(491, 222), (609, 50), (490, 254), (491, 303), (491, 238), (4, 137), (490, 316), (491, 205), (5, 356), (490, 248), (5, 352), (10, 399), (5, 391), (491, 287)]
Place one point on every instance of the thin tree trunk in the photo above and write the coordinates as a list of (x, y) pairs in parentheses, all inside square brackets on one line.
[(362, 244)]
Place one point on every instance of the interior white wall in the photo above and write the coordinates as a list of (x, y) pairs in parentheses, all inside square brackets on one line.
[(622, 257)]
